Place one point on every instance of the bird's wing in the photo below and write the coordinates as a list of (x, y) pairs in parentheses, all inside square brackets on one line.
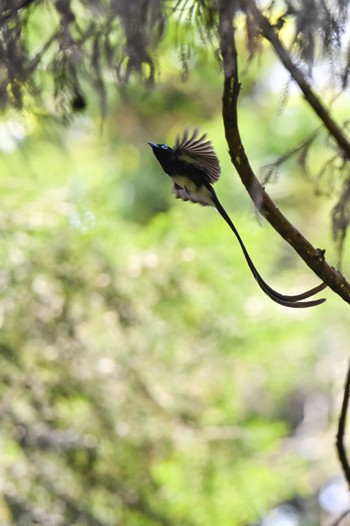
[(199, 152), (182, 193)]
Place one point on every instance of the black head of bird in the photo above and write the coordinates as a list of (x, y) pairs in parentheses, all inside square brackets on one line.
[(194, 167), (164, 154)]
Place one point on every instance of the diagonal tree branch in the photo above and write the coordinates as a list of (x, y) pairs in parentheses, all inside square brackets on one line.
[(313, 257), (269, 32)]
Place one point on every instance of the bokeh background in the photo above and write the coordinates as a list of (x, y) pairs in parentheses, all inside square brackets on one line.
[(145, 378)]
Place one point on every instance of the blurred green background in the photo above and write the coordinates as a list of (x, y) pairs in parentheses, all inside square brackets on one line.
[(145, 378)]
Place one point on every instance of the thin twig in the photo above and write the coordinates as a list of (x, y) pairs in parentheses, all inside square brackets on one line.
[(269, 32), (313, 257), (339, 519), (14, 9), (341, 429)]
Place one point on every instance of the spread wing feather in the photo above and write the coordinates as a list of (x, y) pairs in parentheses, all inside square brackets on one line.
[(199, 152)]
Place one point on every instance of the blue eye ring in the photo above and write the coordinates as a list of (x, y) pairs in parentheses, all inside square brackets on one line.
[(165, 147)]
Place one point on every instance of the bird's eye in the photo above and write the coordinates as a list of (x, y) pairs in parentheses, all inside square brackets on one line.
[(165, 147)]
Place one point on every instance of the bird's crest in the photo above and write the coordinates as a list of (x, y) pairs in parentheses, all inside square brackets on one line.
[(198, 151)]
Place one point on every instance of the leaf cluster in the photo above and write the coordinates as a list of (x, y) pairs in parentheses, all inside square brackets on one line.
[(95, 42), (72, 44)]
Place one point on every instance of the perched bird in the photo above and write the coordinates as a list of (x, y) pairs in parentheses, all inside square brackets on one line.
[(194, 167)]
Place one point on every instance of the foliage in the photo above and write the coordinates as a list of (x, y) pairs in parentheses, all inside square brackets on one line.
[(99, 41), (144, 379), (53, 52)]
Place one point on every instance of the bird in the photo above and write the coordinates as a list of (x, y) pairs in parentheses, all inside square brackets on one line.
[(194, 168)]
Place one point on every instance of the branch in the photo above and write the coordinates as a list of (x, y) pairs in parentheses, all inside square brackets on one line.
[(268, 31), (341, 430), (14, 9), (339, 520), (313, 257)]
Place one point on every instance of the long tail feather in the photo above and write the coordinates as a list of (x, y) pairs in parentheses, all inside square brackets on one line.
[(282, 299)]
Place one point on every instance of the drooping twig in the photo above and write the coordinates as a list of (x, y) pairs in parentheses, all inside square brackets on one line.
[(342, 428), (312, 256)]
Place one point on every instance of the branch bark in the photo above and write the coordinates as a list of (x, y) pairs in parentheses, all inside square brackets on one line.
[(312, 256)]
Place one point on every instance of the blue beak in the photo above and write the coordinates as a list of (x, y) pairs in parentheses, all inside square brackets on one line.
[(152, 144)]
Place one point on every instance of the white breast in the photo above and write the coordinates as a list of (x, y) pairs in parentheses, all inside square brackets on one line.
[(192, 188), (186, 183)]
